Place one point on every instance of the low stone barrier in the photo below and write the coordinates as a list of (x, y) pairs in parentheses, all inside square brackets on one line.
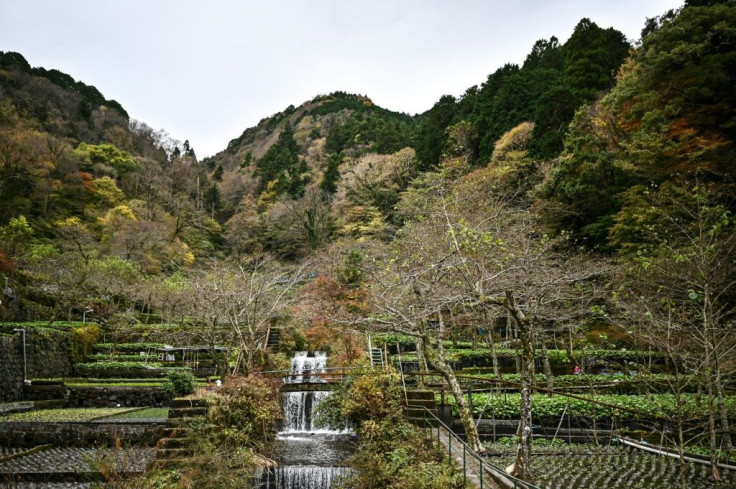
[(88, 434), (124, 396), (98, 396)]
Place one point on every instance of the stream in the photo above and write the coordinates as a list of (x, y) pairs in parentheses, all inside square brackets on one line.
[(310, 456)]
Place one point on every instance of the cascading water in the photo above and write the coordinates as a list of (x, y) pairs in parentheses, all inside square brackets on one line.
[(298, 412), (312, 456), (302, 477), (307, 369)]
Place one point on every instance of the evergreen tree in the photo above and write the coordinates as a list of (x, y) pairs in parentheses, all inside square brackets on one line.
[(431, 137)]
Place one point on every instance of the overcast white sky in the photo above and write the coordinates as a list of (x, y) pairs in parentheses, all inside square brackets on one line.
[(205, 70)]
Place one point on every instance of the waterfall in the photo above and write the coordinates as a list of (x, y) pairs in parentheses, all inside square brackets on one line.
[(302, 477), (306, 369), (311, 456), (299, 408)]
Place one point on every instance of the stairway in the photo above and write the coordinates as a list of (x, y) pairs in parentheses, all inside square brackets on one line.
[(176, 447), (376, 358), (274, 339), (417, 401)]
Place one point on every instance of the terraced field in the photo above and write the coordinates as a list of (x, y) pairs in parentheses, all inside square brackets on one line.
[(590, 467), (78, 460)]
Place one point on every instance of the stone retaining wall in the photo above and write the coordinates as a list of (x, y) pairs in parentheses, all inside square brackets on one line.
[(48, 354), (116, 396), (29, 434), (11, 372), (98, 396)]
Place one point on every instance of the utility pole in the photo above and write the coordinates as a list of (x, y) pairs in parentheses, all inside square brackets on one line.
[(25, 367)]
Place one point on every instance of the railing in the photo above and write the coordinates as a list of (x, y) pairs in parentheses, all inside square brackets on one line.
[(328, 375), (484, 468)]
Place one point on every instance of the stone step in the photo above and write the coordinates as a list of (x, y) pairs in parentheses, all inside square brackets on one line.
[(274, 339), (176, 432), (166, 463), (428, 403), (424, 422), (173, 453), (418, 412), (180, 422), (174, 442), (187, 412), (416, 394), (187, 403)]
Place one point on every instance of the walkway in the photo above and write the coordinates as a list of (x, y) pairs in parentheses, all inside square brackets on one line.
[(464, 460)]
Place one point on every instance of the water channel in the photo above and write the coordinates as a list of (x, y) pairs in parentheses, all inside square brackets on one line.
[(310, 456)]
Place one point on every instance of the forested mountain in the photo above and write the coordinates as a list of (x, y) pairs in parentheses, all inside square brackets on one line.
[(336, 165), (589, 132), (584, 199), (86, 194)]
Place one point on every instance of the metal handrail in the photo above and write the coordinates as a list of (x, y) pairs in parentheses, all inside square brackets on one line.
[(498, 474), (288, 371)]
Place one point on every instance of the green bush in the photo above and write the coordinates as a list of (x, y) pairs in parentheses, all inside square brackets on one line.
[(393, 453), (654, 405), (246, 411), (127, 347), (84, 339), (113, 365), (180, 383), (59, 325), (123, 357)]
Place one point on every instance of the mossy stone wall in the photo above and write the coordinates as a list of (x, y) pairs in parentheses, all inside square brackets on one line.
[(48, 355)]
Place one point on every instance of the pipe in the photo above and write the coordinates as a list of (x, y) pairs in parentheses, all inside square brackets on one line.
[(25, 368), (670, 454)]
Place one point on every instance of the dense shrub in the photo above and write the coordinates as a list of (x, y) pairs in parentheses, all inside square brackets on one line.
[(245, 412), (393, 453), (84, 339), (84, 368), (127, 347), (646, 407), (179, 383)]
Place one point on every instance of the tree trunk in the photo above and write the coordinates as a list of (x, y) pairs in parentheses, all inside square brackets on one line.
[(709, 364), (471, 432), (547, 367), (492, 347), (725, 425), (523, 465), (713, 442), (422, 363), (679, 405)]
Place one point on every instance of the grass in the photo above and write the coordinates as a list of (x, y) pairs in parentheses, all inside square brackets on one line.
[(66, 415), (115, 384), (152, 413), (58, 325), (92, 382)]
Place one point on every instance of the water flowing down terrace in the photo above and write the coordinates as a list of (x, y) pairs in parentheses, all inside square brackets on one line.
[(311, 455)]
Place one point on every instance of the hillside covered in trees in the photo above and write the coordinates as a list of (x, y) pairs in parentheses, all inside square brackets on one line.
[(585, 197)]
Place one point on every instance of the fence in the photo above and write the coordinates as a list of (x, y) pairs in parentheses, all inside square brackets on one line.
[(471, 461)]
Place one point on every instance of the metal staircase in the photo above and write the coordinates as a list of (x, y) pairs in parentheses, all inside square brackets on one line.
[(377, 358)]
